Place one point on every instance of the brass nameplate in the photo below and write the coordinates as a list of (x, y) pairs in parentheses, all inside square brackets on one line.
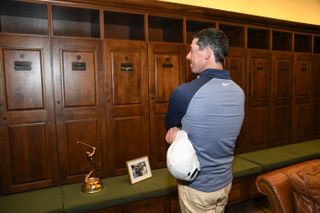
[(22, 65), (167, 65), (79, 66), (126, 66)]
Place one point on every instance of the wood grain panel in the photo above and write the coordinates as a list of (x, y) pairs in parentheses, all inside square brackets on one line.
[(127, 77), (27, 128), (316, 95), (80, 116), (154, 205), (258, 98), (236, 64), (166, 72), (260, 78), (281, 107), (24, 79), (302, 101), (282, 78), (127, 103), (85, 131), (29, 145), (237, 192), (259, 121), (127, 145), (159, 143), (281, 124), (79, 78), (302, 127), (316, 118), (302, 84)]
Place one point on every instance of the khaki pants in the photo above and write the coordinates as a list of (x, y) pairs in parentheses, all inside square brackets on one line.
[(194, 201)]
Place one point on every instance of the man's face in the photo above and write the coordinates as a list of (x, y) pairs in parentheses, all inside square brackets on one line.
[(196, 57)]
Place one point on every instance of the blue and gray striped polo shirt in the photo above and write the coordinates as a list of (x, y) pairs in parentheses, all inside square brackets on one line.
[(211, 110)]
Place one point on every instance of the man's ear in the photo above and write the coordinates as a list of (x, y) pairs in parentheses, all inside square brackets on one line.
[(208, 53)]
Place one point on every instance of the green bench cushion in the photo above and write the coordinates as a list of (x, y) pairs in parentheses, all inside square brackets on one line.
[(306, 150), (241, 167), (38, 201), (278, 157), (118, 191)]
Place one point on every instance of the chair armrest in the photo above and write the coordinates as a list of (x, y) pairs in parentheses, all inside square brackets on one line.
[(276, 186)]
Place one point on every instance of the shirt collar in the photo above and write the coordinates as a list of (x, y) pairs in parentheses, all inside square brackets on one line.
[(215, 73)]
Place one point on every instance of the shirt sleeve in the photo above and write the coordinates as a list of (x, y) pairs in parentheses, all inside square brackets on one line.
[(176, 108), (180, 99)]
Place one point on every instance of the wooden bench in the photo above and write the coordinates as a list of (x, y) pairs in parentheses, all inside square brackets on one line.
[(118, 190)]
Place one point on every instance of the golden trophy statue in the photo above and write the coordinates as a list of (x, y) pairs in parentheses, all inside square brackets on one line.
[(91, 184)]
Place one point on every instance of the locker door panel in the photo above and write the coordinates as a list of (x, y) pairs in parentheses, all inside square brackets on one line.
[(167, 71), (27, 125), (167, 75), (79, 95), (127, 76), (127, 103), (281, 107), (23, 77), (28, 144), (302, 91), (259, 97), (79, 78), (236, 64), (316, 95)]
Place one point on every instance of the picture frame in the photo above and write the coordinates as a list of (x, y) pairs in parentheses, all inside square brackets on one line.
[(139, 169)]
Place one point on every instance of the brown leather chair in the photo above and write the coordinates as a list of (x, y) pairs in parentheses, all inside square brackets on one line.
[(295, 188)]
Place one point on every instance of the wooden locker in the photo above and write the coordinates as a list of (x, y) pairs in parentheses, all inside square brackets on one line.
[(236, 64), (127, 103), (302, 103), (27, 140), (316, 95), (79, 81), (259, 68), (281, 107), (166, 72)]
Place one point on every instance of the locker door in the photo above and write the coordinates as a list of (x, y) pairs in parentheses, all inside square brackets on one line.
[(316, 95), (302, 103), (127, 103), (281, 107), (167, 71), (236, 64), (259, 93), (79, 80), (27, 138)]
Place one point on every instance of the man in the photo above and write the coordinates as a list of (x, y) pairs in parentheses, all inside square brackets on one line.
[(211, 110)]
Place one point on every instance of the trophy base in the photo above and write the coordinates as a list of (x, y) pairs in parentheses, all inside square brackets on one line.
[(92, 185)]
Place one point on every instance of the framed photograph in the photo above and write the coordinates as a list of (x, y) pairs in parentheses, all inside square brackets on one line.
[(139, 169)]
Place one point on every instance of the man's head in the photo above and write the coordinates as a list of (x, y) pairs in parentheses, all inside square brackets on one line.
[(209, 48)]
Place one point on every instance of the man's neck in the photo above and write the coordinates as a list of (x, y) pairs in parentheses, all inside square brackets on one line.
[(214, 66)]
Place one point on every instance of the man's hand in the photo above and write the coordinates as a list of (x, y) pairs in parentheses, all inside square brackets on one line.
[(171, 134)]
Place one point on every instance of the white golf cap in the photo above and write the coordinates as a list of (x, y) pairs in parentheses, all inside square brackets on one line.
[(182, 161)]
